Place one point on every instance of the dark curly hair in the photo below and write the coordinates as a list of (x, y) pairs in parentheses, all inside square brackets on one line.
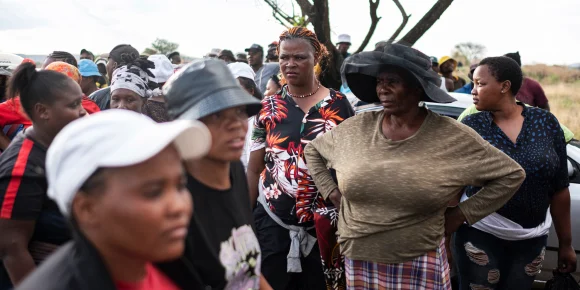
[(123, 54), (250, 85), (64, 57), (505, 69)]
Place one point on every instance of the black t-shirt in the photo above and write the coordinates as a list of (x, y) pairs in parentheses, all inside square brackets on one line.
[(226, 250), (23, 188)]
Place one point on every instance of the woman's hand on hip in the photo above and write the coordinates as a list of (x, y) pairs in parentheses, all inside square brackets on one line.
[(335, 197), (566, 259), (454, 218)]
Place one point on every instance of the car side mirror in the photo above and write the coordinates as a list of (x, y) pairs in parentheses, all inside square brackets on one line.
[(572, 171)]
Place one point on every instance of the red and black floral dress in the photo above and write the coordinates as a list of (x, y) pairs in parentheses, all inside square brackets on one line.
[(284, 130)]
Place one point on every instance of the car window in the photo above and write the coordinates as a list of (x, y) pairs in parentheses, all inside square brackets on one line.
[(452, 112)]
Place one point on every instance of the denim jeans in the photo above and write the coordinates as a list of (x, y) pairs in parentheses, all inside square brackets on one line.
[(486, 262)]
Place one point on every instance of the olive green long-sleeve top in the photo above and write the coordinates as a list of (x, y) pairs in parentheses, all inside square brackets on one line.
[(395, 193)]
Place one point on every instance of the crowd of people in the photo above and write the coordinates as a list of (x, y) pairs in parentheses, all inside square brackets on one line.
[(139, 172)]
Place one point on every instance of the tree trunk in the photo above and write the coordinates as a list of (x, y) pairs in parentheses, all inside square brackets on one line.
[(320, 19), (425, 23)]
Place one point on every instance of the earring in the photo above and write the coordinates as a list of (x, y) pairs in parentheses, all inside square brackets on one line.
[(421, 104)]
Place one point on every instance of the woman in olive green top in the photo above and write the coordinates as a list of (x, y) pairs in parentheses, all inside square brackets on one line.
[(399, 168)]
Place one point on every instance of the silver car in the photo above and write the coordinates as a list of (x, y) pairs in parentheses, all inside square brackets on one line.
[(455, 109)]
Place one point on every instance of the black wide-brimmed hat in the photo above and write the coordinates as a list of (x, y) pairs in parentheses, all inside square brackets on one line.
[(205, 87), (360, 71)]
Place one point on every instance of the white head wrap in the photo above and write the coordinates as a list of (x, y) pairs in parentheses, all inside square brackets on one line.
[(133, 79)]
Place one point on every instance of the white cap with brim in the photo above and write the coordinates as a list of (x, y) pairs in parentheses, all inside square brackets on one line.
[(110, 139), (240, 69)]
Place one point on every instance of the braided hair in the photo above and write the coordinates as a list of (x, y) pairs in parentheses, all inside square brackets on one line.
[(142, 63), (320, 51), (124, 54), (64, 57)]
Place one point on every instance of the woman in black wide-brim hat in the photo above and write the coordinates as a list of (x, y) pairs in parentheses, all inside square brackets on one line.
[(397, 171)]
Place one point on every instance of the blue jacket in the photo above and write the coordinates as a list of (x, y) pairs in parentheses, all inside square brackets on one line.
[(466, 89)]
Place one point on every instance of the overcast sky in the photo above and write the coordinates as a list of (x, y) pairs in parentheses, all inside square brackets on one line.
[(543, 31)]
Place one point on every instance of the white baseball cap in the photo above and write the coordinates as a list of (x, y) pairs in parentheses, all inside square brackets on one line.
[(163, 68), (240, 69), (344, 38), (114, 138)]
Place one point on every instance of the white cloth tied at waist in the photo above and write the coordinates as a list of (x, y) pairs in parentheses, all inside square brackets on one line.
[(301, 242), (509, 230)]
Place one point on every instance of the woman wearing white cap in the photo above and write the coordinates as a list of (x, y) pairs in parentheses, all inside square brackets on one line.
[(127, 203), (155, 105)]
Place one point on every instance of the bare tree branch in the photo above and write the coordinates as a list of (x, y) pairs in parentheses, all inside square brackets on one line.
[(373, 5), (403, 23), (426, 22), (282, 22), (305, 6), (280, 15)]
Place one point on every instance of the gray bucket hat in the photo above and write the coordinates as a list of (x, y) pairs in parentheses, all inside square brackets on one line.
[(360, 72), (205, 87)]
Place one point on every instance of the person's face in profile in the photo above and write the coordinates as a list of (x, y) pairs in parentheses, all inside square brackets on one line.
[(142, 211)]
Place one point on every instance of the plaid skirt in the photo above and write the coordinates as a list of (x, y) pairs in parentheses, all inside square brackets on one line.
[(430, 272)]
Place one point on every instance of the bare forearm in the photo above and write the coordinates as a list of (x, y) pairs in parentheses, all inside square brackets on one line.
[(560, 210), (18, 264), (264, 285)]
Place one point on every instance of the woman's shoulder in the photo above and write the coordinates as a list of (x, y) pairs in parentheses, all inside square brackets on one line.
[(458, 129), (537, 113), (361, 121), (277, 98), (542, 117), (26, 151), (99, 94), (56, 273)]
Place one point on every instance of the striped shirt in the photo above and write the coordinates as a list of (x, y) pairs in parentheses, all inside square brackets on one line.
[(23, 188)]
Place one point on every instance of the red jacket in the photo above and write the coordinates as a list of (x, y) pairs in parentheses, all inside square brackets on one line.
[(13, 118)]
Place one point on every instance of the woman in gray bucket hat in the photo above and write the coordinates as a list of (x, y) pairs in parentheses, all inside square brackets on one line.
[(397, 171), (225, 249)]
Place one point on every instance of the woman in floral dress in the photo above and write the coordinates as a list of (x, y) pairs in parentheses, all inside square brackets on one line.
[(295, 225)]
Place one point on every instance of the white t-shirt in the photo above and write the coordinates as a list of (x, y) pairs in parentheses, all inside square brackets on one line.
[(443, 87), (247, 144)]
